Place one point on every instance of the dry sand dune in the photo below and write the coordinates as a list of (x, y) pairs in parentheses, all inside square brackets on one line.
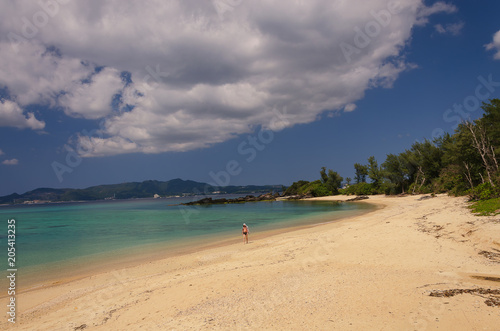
[(371, 272)]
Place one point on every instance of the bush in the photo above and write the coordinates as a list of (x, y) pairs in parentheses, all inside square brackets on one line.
[(360, 189), (319, 190), (296, 187), (483, 192), (316, 189), (425, 189)]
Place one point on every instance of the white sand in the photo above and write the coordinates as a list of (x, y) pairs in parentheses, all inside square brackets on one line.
[(372, 272)]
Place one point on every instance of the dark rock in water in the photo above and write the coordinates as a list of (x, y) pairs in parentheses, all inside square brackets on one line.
[(205, 201), (361, 197), (297, 197), (248, 198), (293, 197)]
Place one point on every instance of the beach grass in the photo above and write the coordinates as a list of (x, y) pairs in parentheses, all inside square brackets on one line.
[(488, 207)]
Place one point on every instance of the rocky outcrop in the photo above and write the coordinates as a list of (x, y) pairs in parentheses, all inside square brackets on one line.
[(296, 197), (425, 197), (358, 198), (248, 198)]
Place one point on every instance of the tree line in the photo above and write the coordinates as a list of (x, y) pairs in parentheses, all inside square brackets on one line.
[(465, 162)]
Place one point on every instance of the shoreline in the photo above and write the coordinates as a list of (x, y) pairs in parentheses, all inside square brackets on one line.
[(62, 272), (369, 271), (56, 202)]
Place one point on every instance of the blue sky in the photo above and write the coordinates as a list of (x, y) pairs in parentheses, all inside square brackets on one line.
[(232, 91)]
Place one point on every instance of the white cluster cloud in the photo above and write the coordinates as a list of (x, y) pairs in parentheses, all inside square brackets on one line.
[(179, 75), (495, 45), (453, 28), (350, 107), (12, 115), (92, 100), (424, 12), (11, 162)]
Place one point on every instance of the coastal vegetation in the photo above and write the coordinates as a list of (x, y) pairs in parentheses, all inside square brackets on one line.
[(328, 185), (462, 163), (488, 207)]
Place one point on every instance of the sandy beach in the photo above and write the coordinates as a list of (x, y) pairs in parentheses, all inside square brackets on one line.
[(370, 272)]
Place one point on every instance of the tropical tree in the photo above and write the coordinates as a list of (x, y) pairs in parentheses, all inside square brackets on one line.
[(348, 180), (396, 170), (324, 176), (361, 171), (425, 163), (334, 181), (491, 122), (374, 172)]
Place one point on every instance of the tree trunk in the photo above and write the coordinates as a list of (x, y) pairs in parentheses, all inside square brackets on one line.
[(468, 176), (483, 146)]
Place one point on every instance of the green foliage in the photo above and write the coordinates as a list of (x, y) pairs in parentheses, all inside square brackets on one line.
[(457, 164), (450, 180), (463, 163), (296, 188), (318, 189), (484, 192), (328, 184), (324, 176), (387, 188), (333, 182), (374, 172), (361, 173), (491, 120), (396, 171), (360, 189), (415, 188), (302, 187), (487, 207)]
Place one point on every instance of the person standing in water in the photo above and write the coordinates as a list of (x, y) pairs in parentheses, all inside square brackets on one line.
[(245, 233)]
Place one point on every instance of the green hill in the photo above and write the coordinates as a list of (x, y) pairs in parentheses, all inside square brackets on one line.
[(131, 190)]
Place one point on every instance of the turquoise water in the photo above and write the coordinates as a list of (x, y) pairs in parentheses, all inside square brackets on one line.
[(57, 233)]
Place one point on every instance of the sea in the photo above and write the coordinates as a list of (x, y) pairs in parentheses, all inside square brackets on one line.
[(67, 239)]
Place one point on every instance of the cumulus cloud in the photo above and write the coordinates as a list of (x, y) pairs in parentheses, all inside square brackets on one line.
[(179, 75), (454, 28), (350, 107), (93, 99), (424, 12), (495, 45), (1, 152), (11, 162), (12, 115), (35, 75)]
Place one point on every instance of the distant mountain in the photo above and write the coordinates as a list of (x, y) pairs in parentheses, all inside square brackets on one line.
[(146, 189)]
